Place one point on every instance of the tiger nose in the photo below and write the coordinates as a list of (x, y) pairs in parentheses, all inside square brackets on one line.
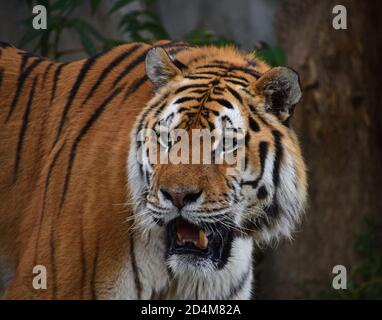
[(180, 198)]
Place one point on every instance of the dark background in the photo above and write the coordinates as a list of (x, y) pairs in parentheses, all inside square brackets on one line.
[(339, 120)]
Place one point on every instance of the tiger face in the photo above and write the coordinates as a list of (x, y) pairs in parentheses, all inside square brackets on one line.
[(253, 187)]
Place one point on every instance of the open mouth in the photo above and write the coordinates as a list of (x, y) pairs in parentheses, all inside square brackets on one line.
[(185, 238)]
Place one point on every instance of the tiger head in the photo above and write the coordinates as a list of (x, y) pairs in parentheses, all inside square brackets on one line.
[(253, 187)]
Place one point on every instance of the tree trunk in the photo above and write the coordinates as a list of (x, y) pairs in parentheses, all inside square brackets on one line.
[(339, 122)]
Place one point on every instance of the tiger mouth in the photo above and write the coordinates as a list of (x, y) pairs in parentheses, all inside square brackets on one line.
[(185, 238)]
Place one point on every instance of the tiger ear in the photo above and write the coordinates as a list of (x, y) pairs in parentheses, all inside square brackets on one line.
[(281, 88), (160, 69)]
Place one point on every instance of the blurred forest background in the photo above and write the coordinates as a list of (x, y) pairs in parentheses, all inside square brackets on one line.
[(339, 120)]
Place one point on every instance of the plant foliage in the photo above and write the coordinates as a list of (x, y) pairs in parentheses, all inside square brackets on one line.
[(364, 278), (138, 21)]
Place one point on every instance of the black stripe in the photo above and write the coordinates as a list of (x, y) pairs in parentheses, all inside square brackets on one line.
[(112, 65), (272, 210), (21, 80), (177, 50), (191, 77), (50, 170), (212, 65), (1, 75), (24, 60), (29, 54), (84, 267), (218, 90), (253, 125), (53, 228), (238, 82), (135, 86), (226, 251), (237, 77), (234, 290), (147, 178), (158, 221), (262, 119), (24, 128), (253, 73), (216, 113), (42, 213), (278, 155), (211, 125), (246, 91), (171, 44), (247, 138), (224, 103), (184, 99), (82, 133), (73, 92), (5, 45), (168, 44), (235, 94), (190, 86), (160, 104), (138, 285), (94, 271), (178, 64), (199, 91), (223, 65), (182, 109), (225, 118), (45, 74), (219, 61), (129, 67), (203, 73), (141, 170), (263, 150), (252, 63), (190, 108), (56, 78), (53, 271)]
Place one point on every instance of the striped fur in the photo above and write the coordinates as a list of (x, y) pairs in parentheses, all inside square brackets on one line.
[(67, 137)]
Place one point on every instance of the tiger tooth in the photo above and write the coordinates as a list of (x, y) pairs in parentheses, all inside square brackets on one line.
[(203, 240), (179, 239)]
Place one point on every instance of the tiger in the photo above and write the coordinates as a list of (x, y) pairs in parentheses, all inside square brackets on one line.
[(81, 200)]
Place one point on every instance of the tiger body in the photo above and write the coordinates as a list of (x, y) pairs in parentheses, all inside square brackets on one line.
[(74, 199)]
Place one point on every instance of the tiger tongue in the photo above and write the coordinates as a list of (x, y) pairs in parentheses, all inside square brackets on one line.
[(186, 232)]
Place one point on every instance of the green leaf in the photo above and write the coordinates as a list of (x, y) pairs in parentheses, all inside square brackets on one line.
[(274, 56), (130, 17), (110, 43), (61, 5), (201, 36), (29, 3), (156, 30), (65, 7), (119, 4), (86, 42), (29, 36), (94, 5), (88, 28)]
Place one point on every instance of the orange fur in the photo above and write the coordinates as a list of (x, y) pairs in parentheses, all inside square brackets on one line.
[(63, 185)]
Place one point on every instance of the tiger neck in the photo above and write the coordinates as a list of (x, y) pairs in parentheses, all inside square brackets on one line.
[(145, 275), (233, 281)]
